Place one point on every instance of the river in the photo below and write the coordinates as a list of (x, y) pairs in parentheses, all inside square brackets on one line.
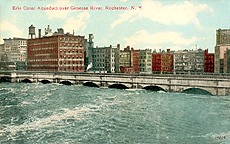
[(51, 113)]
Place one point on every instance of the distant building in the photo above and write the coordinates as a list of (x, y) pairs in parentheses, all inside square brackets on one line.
[(105, 59), (189, 61), (222, 45), (145, 61), (209, 61), (14, 54), (129, 59), (58, 52), (156, 62)]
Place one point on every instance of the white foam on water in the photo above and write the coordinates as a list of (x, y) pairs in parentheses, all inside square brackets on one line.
[(58, 119)]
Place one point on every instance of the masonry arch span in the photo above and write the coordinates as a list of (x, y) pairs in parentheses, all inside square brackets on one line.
[(45, 81), (5, 79), (90, 84), (66, 83), (196, 91), (154, 88), (118, 86), (26, 81)]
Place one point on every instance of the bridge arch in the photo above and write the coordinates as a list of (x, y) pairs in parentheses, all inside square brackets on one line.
[(90, 84), (66, 83), (118, 86), (200, 91), (154, 88), (45, 81), (26, 81), (5, 79)]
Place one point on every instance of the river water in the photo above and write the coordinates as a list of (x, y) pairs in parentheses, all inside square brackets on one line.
[(39, 113)]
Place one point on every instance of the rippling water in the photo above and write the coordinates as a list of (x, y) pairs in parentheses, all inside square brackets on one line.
[(37, 113)]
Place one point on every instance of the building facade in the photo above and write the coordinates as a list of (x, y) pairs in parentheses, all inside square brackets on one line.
[(209, 61), (145, 61), (222, 45), (105, 59), (129, 58), (189, 61), (14, 54), (167, 61), (227, 61), (56, 53), (156, 62)]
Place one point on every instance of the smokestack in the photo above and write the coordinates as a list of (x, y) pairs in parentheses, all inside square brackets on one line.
[(118, 46), (168, 50), (39, 33)]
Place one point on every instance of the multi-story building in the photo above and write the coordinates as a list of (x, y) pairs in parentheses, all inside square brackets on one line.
[(189, 61), (14, 54), (222, 45), (209, 61), (156, 62), (57, 52), (167, 61), (162, 61), (105, 59), (136, 60), (129, 60), (145, 61)]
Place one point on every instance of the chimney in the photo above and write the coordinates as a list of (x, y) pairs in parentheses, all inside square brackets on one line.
[(168, 50), (39, 33), (128, 47), (118, 46)]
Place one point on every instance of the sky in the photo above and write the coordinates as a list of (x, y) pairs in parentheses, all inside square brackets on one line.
[(153, 24)]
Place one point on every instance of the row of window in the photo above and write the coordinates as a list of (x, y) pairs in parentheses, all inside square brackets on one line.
[(69, 51), (70, 45), (73, 62), (71, 39)]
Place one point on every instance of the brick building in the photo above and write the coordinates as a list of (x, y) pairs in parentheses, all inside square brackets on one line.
[(126, 69), (209, 61), (156, 62), (167, 61), (59, 52)]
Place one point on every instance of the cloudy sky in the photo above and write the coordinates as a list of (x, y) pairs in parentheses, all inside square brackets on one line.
[(157, 24)]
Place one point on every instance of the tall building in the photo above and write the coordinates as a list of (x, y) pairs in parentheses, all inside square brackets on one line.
[(57, 52), (14, 54), (189, 61), (105, 59), (209, 60), (89, 45), (136, 60), (146, 61), (129, 60), (222, 45), (156, 62)]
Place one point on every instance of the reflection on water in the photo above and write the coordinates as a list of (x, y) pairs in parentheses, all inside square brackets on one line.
[(37, 113)]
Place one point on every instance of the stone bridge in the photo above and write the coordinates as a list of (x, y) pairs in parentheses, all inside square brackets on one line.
[(210, 84)]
